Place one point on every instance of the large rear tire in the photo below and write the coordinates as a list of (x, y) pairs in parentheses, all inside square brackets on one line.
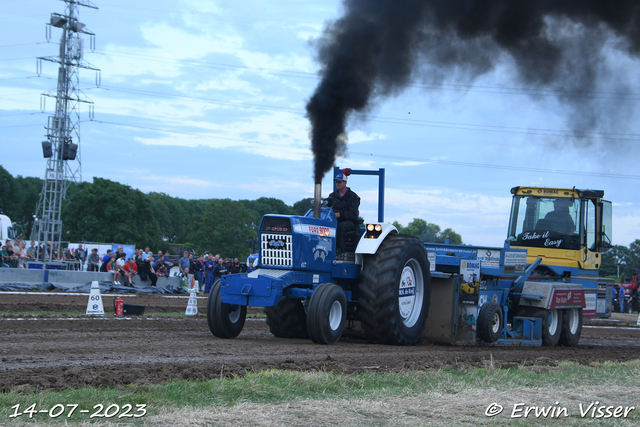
[(571, 327), (489, 324), (287, 319), (225, 320), (395, 291), (327, 313)]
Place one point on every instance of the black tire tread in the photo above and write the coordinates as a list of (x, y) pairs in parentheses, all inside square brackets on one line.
[(484, 326), (218, 315), (316, 318), (287, 319), (378, 291), (547, 338), (566, 338)]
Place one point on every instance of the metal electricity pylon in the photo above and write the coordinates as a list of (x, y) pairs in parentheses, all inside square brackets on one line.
[(62, 147)]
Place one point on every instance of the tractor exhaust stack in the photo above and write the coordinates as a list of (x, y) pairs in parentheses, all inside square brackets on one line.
[(317, 194)]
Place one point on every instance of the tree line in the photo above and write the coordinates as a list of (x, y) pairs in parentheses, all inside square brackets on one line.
[(107, 211), (621, 260)]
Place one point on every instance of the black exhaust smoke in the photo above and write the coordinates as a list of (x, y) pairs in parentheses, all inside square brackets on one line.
[(377, 47)]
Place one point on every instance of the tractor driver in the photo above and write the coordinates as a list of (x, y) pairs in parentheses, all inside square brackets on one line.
[(345, 205), (560, 219)]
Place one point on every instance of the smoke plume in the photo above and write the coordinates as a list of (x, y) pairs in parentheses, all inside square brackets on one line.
[(379, 46)]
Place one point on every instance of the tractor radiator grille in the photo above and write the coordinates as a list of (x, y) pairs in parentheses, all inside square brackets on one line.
[(276, 250)]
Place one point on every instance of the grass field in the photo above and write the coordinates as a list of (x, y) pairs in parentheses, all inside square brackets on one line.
[(567, 394)]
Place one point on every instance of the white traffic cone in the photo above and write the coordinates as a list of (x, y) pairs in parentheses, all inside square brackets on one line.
[(192, 306), (94, 306)]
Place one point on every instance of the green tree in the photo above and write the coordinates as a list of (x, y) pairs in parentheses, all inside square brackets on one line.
[(266, 205), (454, 238), (225, 227), (428, 232), (301, 207), (171, 215), (106, 211)]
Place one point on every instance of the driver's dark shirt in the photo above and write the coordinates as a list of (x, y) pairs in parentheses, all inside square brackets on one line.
[(348, 205)]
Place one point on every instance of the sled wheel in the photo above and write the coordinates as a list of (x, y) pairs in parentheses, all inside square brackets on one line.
[(489, 324), (571, 326), (551, 326)]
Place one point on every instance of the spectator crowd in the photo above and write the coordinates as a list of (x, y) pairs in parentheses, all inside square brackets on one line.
[(205, 269)]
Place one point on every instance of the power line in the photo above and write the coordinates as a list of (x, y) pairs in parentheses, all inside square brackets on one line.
[(493, 166), (413, 122), (403, 158)]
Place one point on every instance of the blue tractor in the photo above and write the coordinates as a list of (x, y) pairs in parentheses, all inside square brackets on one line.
[(382, 281)]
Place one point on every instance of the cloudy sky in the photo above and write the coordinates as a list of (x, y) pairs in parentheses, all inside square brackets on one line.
[(206, 99)]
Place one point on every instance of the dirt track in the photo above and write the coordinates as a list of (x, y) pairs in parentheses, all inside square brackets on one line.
[(56, 352)]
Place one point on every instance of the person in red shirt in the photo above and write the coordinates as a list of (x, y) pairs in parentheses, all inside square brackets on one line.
[(130, 270)]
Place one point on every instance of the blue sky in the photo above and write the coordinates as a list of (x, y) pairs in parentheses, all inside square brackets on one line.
[(205, 99)]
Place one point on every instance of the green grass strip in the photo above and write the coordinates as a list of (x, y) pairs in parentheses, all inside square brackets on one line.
[(277, 386)]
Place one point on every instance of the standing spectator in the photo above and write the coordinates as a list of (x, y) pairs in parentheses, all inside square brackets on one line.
[(235, 267), (66, 256), (32, 251), (210, 266), (183, 263), (112, 267), (250, 266), (160, 267), (5, 257), (149, 271), (22, 254), (198, 270), (79, 254), (168, 264), (221, 270), (146, 253), (11, 256), (191, 264), (94, 260), (105, 261), (621, 297), (55, 255), (130, 269)]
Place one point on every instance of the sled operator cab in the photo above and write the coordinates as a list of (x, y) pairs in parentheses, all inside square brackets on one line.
[(568, 228)]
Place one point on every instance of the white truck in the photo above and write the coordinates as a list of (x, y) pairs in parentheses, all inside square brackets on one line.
[(6, 229)]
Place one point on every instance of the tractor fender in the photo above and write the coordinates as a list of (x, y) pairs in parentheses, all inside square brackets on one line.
[(370, 245)]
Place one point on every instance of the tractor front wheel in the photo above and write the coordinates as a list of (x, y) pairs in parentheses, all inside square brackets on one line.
[(225, 320), (327, 313)]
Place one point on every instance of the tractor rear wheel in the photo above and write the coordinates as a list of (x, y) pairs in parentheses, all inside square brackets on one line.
[(327, 313), (225, 320), (571, 327), (287, 319), (395, 291), (489, 324)]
